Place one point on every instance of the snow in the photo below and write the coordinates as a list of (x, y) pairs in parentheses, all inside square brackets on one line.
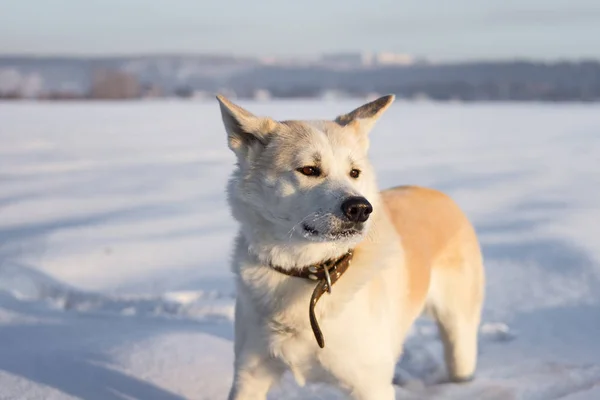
[(115, 240)]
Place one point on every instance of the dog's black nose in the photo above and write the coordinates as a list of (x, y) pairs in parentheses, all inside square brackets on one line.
[(357, 209)]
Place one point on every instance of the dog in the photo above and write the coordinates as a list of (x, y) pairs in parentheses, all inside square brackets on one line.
[(330, 271)]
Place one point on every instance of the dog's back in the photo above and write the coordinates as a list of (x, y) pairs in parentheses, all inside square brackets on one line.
[(445, 269)]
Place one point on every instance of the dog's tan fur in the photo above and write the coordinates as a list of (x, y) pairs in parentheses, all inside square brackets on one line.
[(444, 265), (416, 252)]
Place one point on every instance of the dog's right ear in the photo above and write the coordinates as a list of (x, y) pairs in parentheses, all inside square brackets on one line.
[(245, 131)]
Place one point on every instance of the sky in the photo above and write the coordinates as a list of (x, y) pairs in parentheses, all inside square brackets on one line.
[(451, 30)]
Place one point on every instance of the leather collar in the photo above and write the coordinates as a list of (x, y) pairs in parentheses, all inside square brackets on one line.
[(326, 274)]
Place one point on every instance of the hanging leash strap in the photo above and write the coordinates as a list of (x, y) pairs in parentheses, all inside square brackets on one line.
[(326, 274)]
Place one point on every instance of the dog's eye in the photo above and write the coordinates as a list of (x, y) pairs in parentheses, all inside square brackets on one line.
[(309, 171), (354, 173)]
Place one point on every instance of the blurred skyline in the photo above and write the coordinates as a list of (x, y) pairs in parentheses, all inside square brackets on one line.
[(458, 30)]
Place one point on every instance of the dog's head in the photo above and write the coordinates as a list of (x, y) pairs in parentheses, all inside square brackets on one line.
[(303, 181)]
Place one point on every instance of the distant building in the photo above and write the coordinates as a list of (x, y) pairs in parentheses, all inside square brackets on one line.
[(32, 86), (262, 94), (372, 96), (367, 59), (288, 61), (387, 58), (16, 85), (202, 95), (112, 84), (10, 82), (345, 60), (333, 95)]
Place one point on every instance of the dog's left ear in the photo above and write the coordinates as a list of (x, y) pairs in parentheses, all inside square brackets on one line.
[(365, 116)]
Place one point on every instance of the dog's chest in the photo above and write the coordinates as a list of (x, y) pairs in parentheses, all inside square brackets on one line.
[(298, 350), (293, 342)]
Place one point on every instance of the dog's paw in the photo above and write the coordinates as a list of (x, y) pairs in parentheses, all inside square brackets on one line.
[(462, 379)]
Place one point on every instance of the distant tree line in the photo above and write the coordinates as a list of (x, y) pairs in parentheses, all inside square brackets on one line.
[(131, 78), (465, 82)]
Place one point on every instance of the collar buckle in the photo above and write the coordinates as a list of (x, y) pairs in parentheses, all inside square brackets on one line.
[(327, 278)]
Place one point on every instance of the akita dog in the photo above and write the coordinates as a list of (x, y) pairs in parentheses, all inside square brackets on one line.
[(330, 271)]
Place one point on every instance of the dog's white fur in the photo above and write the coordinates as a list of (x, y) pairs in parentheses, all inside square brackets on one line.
[(416, 251)]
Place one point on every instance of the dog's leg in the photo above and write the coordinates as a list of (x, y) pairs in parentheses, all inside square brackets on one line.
[(254, 376), (365, 375), (459, 336), (384, 391), (455, 301)]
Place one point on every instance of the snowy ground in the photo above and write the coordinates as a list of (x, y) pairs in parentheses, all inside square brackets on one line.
[(115, 236)]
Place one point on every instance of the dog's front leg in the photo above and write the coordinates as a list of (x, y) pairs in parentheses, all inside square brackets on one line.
[(254, 376), (373, 392)]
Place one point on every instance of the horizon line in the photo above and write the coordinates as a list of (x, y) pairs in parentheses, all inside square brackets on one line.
[(305, 57)]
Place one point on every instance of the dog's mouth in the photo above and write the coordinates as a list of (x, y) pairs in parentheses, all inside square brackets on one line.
[(310, 230), (344, 233)]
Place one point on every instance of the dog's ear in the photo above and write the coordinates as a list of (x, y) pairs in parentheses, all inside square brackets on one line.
[(364, 117), (245, 131)]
